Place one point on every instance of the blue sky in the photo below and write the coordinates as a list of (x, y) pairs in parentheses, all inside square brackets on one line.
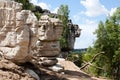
[(85, 13)]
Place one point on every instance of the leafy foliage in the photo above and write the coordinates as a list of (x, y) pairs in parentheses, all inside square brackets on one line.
[(108, 41), (75, 57), (29, 6), (63, 13), (26, 4)]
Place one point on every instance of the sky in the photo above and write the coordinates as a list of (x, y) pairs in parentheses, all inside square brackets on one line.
[(85, 13)]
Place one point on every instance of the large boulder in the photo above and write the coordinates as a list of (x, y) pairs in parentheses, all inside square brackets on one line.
[(18, 31)]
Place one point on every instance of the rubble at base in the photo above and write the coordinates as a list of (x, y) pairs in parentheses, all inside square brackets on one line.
[(11, 71)]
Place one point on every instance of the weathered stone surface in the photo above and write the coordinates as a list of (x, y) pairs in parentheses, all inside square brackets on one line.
[(18, 31), (32, 73), (49, 62), (11, 71), (49, 46), (49, 53), (57, 68), (74, 31), (49, 31)]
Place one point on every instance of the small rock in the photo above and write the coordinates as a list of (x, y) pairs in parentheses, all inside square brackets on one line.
[(48, 63), (32, 73), (57, 68)]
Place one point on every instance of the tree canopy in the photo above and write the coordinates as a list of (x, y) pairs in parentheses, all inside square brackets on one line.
[(108, 41)]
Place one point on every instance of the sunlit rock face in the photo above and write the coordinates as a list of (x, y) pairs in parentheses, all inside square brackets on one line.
[(48, 46), (18, 31), (49, 31)]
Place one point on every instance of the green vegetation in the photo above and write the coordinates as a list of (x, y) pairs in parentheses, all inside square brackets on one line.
[(75, 57), (108, 43), (29, 6), (63, 13), (26, 4)]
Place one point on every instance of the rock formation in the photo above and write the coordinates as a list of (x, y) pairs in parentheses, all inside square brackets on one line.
[(48, 47), (22, 35), (74, 31), (18, 31), (25, 40)]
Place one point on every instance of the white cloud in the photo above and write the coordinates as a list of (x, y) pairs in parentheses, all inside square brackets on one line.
[(41, 4), (44, 5), (34, 2), (112, 11), (55, 10), (93, 8), (87, 37)]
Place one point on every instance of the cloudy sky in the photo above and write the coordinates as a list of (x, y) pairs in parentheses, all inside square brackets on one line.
[(85, 13)]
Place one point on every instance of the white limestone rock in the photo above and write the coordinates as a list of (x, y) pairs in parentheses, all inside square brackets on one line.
[(50, 29), (48, 46), (18, 31)]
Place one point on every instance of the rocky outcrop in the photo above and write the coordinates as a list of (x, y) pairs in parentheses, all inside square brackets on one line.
[(74, 31), (11, 71), (18, 31), (23, 37), (28, 46), (47, 46), (49, 31)]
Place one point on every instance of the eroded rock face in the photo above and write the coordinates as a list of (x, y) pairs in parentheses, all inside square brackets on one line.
[(74, 31), (11, 71), (18, 31), (49, 31)]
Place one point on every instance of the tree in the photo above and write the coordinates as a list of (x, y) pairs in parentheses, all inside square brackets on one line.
[(63, 13), (26, 4), (108, 41)]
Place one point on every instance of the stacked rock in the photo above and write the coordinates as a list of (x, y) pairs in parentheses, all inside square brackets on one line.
[(48, 47)]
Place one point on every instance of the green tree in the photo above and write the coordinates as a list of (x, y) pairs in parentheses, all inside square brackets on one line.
[(26, 4), (75, 57), (108, 41), (63, 13)]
